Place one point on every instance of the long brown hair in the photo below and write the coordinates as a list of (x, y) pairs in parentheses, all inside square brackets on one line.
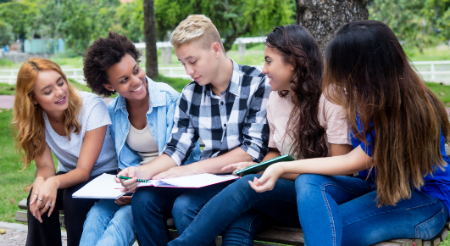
[(298, 47), (28, 120), (373, 80)]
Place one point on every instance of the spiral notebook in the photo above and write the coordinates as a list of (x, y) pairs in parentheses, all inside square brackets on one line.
[(104, 186)]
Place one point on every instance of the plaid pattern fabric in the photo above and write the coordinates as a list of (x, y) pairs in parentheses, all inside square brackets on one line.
[(236, 119)]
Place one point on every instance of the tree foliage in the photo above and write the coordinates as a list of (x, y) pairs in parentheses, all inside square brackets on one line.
[(438, 11), (6, 34), (415, 22), (233, 18), (130, 17), (78, 22), (20, 15)]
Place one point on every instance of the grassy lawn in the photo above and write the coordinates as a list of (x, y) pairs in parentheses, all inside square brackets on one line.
[(12, 179)]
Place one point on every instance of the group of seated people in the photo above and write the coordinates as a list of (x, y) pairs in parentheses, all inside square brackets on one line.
[(367, 135)]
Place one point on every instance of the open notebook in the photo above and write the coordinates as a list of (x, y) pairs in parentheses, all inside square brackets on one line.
[(104, 186)]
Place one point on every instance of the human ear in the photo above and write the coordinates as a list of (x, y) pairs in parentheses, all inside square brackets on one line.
[(108, 87), (217, 49)]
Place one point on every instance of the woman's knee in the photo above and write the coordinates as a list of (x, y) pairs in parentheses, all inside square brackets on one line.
[(306, 181)]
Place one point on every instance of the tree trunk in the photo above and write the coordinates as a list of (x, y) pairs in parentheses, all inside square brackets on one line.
[(151, 56), (324, 17)]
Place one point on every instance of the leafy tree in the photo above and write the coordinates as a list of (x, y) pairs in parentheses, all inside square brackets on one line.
[(233, 18), (78, 22), (438, 11), (130, 17), (6, 34), (20, 15), (415, 22)]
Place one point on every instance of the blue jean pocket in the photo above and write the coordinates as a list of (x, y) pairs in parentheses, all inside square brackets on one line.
[(431, 227)]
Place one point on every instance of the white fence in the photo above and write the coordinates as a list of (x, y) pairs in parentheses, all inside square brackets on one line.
[(434, 71), (431, 71)]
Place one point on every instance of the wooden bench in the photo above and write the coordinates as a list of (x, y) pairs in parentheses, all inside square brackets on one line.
[(274, 235)]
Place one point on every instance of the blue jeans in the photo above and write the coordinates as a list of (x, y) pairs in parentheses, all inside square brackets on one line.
[(238, 211), (108, 224), (341, 210), (152, 206)]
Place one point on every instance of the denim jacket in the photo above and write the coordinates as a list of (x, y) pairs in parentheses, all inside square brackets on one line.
[(163, 101)]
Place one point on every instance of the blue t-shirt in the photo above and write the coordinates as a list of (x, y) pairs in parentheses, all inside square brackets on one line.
[(437, 185)]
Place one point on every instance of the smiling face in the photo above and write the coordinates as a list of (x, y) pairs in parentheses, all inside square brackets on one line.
[(279, 72), (127, 78), (199, 62), (51, 92)]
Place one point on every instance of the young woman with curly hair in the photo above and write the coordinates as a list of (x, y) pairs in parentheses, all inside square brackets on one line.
[(51, 116), (302, 123), (142, 120), (399, 129)]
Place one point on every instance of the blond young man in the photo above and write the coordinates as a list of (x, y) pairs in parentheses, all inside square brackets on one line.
[(225, 106)]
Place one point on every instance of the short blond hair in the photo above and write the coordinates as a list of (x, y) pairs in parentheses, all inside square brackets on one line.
[(196, 28)]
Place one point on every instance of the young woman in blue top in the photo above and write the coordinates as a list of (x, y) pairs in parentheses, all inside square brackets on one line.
[(399, 129), (142, 120)]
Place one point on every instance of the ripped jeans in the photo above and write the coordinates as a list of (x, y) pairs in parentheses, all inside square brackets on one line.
[(341, 210)]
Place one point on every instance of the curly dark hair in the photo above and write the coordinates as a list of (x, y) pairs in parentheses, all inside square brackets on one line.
[(101, 55), (298, 47)]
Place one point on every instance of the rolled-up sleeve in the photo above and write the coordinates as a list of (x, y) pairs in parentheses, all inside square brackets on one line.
[(183, 137), (256, 129)]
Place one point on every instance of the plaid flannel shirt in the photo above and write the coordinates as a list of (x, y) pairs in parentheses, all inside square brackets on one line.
[(235, 119)]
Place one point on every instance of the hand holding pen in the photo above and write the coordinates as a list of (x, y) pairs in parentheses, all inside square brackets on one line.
[(132, 183)]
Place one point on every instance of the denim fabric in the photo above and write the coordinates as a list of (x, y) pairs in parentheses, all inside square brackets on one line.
[(341, 210), (152, 206), (108, 224), (49, 232), (163, 100), (224, 210)]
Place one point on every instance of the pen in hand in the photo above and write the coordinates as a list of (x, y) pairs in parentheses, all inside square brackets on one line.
[(138, 180)]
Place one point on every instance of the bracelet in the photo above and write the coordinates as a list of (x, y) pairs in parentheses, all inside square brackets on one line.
[(39, 178)]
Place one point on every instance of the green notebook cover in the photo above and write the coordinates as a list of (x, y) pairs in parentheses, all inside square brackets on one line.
[(263, 165)]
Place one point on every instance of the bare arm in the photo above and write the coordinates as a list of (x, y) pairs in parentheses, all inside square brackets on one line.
[(165, 167), (90, 150), (355, 161), (211, 165), (47, 190), (336, 150)]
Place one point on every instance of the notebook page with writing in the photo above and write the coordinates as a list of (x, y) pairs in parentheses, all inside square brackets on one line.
[(102, 187), (191, 181)]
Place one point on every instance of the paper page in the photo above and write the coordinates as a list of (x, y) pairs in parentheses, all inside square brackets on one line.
[(103, 187), (191, 181)]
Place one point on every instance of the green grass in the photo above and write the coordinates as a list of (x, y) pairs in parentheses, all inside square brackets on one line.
[(6, 62), (7, 89), (442, 91), (437, 53), (12, 180), (176, 83)]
